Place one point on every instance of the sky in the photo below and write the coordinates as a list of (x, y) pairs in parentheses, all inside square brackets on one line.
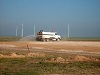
[(83, 17)]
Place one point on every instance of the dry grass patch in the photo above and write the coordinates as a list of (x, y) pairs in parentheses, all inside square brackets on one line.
[(84, 58), (15, 55)]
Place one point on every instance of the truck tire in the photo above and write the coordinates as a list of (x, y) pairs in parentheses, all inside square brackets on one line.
[(47, 40), (43, 40), (58, 39)]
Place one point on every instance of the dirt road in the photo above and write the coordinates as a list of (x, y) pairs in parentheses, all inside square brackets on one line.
[(71, 47)]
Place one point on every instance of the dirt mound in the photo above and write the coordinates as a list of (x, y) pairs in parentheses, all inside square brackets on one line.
[(36, 54), (81, 58), (58, 59), (1, 55), (84, 58), (14, 55)]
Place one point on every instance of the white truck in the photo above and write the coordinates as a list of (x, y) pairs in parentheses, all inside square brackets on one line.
[(47, 36)]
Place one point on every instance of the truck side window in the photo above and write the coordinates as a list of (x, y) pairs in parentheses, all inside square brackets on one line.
[(55, 33)]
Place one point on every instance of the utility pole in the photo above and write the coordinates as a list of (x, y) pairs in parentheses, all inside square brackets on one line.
[(68, 30), (34, 30), (16, 30), (22, 31)]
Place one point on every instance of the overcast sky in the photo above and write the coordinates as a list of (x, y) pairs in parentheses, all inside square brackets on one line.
[(83, 17)]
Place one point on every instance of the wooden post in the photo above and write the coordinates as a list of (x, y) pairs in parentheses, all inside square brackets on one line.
[(28, 49)]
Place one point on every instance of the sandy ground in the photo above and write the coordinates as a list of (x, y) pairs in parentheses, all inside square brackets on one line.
[(71, 47), (68, 47), (61, 45)]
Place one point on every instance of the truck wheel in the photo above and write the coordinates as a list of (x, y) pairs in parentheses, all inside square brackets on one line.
[(58, 39), (43, 40), (47, 39)]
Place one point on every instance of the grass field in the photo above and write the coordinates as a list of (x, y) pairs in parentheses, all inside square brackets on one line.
[(14, 38), (46, 65), (39, 66), (81, 39), (9, 38), (26, 66)]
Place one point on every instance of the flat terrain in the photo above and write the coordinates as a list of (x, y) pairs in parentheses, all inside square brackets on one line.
[(61, 45), (69, 47), (50, 58)]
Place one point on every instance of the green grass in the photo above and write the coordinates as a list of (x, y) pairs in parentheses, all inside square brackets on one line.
[(14, 38), (81, 39), (9, 38), (37, 66)]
